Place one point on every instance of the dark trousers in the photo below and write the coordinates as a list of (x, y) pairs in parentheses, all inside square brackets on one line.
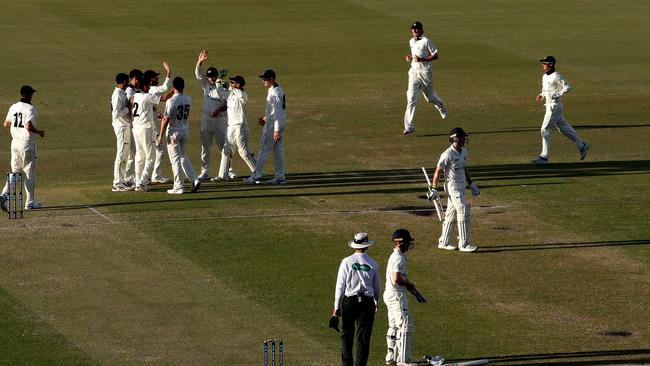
[(358, 316)]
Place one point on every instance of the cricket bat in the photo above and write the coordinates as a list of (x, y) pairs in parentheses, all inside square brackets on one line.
[(436, 202)]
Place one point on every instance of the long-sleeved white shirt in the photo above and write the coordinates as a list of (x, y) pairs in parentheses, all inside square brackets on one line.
[(214, 95), (554, 86), (358, 274), (237, 107), (120, 108), (275, 107)]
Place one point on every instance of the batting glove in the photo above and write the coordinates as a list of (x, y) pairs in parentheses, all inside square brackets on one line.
[(475, 190), (432, 194)]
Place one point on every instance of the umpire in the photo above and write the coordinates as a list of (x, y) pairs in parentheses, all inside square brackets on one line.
[(356, 300)]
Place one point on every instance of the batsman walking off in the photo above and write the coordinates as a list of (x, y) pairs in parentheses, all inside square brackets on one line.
[(423, 51), (554, 86), (21, 120), (452, 164), (399, 336)]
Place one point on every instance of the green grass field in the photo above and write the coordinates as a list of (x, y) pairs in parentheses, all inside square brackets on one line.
[(562, 275)]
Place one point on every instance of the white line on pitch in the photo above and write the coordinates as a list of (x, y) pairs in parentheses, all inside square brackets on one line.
[(91, 208)]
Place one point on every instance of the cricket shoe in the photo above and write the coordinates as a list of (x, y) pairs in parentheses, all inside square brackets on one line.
[(219, 180), (467, 248), (408, 131), (161, 180), (274, 182), (119, 188), (204, 177), (540, 161), (446, 246), (584, 150), (252, 180), (33, 206), (231, 174), (196, 185), (175, 191), (443, 112), (142, 188)]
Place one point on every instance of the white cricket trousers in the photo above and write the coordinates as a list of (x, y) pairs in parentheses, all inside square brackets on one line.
[(553, 118), (458, 213), (419, 81), (123, 138), (238, 139), (145, 154), (268, 145), (214, 129), (160, 154), (181, 165), (23, 160), (399, 336)]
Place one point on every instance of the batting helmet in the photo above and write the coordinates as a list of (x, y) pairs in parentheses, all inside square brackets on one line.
[(458, 133)]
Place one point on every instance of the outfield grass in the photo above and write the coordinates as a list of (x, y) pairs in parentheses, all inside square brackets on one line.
[(562, 272)]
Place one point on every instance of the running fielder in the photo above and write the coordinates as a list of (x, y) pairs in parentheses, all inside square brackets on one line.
[(554, 86), (423, 51), (452, 163)]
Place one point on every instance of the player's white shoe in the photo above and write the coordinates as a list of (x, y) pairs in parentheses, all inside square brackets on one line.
[(540, 161), (142, 188), (33, 206), (584, 150), (219, 180), (161, 180), (443, 112), (175, 191), (467, 248), (204, 177), (446, 246), (231, 174), (408, 131), (196, 185)]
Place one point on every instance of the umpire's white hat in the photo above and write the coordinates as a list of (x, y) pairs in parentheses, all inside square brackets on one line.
[(360, 241)]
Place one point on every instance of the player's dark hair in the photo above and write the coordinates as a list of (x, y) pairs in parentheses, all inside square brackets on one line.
[(178, 83), (121, 78)]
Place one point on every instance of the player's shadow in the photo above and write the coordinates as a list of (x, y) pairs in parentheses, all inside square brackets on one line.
[(614, 357), (557, 246), (536, 129)]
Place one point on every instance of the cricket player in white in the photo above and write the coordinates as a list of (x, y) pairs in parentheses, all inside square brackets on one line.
[(121, 116), (151, 77), (400, 320), (272, 132), (452, 164), (143, 132), (21, 120), (423, 51), (135, 81), (214, 125), (237, 106), (554, 86), (175, 124)]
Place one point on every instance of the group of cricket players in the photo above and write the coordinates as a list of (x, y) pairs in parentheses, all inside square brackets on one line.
[(357, 287), (142, 141)]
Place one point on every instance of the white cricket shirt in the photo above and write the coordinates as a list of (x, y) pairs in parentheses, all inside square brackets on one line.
[(422, 47), (214, 95), (177, 108), (237, 107), (120, 108), (143, 113), (396, 264), (275, 107), (19, 114), (554, 86), (453, 162)]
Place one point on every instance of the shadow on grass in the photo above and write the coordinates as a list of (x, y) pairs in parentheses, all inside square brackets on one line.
[(384, 182), (552, 246), (536, 129), (618, 357)]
